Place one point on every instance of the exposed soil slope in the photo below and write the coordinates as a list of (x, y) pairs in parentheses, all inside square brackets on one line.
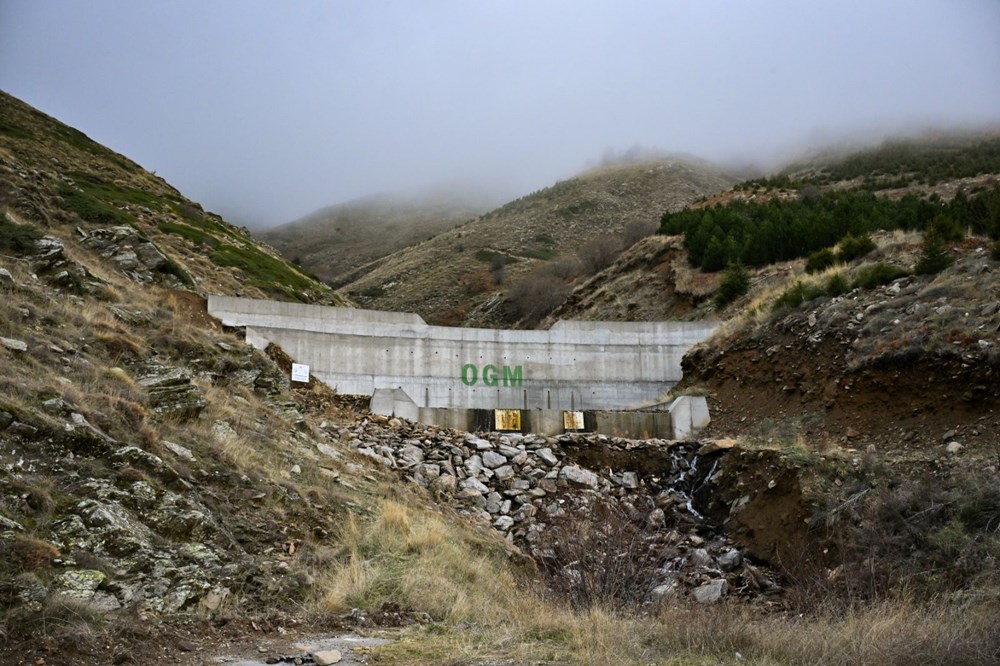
[(914, 364)]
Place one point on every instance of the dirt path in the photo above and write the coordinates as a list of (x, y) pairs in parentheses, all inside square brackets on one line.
[(300, 651)]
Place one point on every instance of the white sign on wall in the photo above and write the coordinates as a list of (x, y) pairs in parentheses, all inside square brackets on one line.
[(300, 373)]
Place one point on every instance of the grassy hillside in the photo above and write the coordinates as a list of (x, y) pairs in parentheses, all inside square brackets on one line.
[(533, 248), (334, 241), (69, 187)]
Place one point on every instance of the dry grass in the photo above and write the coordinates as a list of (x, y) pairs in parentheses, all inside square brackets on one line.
[(482, 609)]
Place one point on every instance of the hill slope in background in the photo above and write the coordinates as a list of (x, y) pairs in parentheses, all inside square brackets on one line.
[(821, 338), (460, 277), (334, 241)]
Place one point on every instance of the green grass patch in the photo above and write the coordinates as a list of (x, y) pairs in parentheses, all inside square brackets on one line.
[(266, 272), (15, 131), (797, 294), (92, 209), (487, 256), (196, 236), (105, 191), (18, 238), (544, 253), (877, 275)]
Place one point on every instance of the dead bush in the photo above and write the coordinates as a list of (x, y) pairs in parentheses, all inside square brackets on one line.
[(599, 253), (601, 559), (536, 295)]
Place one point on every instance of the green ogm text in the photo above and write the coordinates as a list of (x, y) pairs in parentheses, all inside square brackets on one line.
[(492, 375)]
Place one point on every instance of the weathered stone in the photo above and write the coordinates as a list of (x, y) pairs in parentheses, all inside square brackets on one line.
[(509, 452), (711, 592), (730, 560), (326, 657), (80, 583), (412, 455), (656, 517), (716, 445), (181, 452), (473, 465), (663, 591), (430, 470), (492, 459), (5, 277), (504, 473), (503, 523), (630, 480), (472, 483), (701, 558), (547, 456), (6, 418), (472, 496), (478, 443), (329, 451), (446, 483), (8, 525), (171, 391), (213, 601), (14, 345), (22, 430), (579, 476), (953, 448), (150, 257)]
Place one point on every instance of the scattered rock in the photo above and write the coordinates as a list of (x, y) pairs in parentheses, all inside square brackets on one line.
[(730, 560), (326, 657), (181, 452), (579, 476), (711, 592), (14, 345), (953, 448)]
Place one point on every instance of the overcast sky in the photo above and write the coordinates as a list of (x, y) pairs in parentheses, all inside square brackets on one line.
[(266, 110)]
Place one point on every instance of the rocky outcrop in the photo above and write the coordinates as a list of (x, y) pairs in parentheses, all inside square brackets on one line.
[(170, 390), (131, 254), (541, 493)]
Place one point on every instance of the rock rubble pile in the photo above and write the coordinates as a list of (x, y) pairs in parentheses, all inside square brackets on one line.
[(613, 498)]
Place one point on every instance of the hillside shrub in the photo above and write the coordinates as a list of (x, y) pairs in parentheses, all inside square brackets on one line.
[(897, 162), (945, 228), (490, 256), (820, 260), (735, 283), (854, 247), (934, 256), (877, 275), (757, 234), (18, 238), (599, 253), (836, 285), (798, 294)]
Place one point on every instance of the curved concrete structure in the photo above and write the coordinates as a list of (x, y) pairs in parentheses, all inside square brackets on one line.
[(574, 366)]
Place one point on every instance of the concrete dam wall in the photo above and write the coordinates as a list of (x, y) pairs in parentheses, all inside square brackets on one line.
[(574, 366)]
